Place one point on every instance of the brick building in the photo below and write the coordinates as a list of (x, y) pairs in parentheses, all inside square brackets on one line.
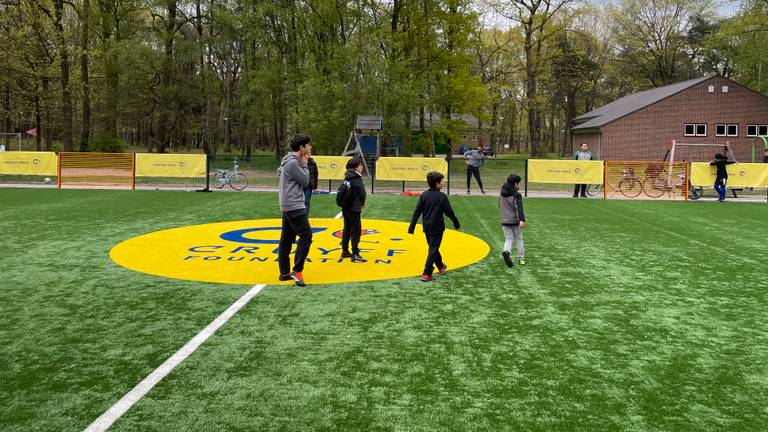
[(709, 110)]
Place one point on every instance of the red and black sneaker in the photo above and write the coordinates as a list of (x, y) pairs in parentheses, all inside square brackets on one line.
[(426, 278), (442, 270), (298, 278)]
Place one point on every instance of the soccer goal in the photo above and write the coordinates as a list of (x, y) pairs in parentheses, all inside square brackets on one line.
[(97, 170), (10, 140)]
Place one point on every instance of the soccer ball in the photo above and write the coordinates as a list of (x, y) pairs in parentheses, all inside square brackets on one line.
[(47, 180)]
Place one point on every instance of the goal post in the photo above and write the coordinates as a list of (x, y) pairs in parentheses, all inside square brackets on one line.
[(97, 170), (7, 138)]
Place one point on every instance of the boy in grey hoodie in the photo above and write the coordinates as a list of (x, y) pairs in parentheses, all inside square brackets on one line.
[(512, 219), (294, 177)]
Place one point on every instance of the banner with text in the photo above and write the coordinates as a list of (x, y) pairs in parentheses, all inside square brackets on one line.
[(331, 167), (565, 171), (170, 165), (409, 169), (29, 163), (739, 174)]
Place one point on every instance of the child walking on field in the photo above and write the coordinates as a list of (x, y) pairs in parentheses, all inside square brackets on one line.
[(512, 219), (433, 204)]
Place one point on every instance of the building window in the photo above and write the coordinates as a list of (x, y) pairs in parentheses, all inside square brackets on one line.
[(720, 130), (724, 89), (751, 130), (697, 129), (762, 130), (711, 89), (733, 130)]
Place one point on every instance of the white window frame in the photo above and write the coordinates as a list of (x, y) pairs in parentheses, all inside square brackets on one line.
[(697, 129), (711, 89), (752, 134), (728, 130), (685, 129), (725, 129), (724, 89), (764, 128)]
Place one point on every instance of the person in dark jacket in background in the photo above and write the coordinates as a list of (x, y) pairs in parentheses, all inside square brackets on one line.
[(765, 158), (721, 179), (512, 219), (433, 204), (312, 167), (352, 209)]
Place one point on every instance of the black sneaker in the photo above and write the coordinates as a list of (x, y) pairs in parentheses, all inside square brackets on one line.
[(357, 258), (482, 191), (284, 277), (298, 278), (346, 254), (468, 192), (507, 259)]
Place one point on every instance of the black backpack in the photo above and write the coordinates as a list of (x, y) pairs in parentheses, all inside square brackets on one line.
[(344, 194)]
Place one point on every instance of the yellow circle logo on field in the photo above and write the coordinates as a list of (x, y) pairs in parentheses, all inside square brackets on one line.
[(245, 252)]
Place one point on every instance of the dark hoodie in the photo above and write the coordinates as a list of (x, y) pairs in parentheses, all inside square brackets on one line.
[(511, 205), (720, 162), (357, 188)]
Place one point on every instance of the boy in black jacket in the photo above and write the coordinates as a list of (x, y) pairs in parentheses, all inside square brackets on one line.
[(313, 173), (352, 209), (433, 204)]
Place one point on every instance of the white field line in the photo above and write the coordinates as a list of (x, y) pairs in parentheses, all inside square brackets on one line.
[(126, 402), (338, 216)]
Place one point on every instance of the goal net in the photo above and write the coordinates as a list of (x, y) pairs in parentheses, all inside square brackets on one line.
[(10, 141), (96, 170), (657, 180)]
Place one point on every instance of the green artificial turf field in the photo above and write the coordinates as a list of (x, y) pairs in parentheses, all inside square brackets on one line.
[(630, 315)]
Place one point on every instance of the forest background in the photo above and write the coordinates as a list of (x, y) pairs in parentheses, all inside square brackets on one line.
[(241, 76)]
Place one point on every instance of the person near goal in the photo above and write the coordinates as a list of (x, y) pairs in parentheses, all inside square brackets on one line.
[(721, 178), (313, 174), (294, 177), (582, 154)]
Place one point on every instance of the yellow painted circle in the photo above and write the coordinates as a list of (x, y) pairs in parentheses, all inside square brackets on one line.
[(245, 252)]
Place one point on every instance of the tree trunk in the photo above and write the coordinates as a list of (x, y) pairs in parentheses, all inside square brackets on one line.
[(530, 94), (85, 132), (46, 131), (166, 77), (66, 95), (38, 142)]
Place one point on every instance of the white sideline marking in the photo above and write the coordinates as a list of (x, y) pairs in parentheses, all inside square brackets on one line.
[(338, 216), (126, 402)]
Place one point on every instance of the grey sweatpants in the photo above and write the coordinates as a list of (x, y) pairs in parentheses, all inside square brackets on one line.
[(516, 234)]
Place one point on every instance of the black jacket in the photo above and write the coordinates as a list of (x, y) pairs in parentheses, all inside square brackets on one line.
[(722, 172), (433, 204), (357, 201), (312, 166)]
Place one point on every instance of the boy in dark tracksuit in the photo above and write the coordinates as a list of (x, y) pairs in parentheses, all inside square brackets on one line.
[(313, 174), (721, 178), (352, 210), (433, 204)]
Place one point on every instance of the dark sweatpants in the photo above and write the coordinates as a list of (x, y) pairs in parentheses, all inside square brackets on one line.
[(474, 171), (580, 188), (434, 259), (295, 223), (352, 231)]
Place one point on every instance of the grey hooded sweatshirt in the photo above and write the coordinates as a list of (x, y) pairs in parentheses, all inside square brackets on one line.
[(294, 177)]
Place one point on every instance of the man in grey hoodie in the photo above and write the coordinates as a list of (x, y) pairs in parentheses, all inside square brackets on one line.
[(294, 177)]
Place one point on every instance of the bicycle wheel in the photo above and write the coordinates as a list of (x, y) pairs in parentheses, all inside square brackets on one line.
[(654, 187), (630, 188), (219, 179), (594, 189), (695, 192), (238, 181)]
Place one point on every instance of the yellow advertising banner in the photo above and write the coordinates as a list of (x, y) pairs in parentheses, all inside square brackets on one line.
[(409, 169), (170, 165), (739, 174), (565, 171), (331, 167), (29, 163)]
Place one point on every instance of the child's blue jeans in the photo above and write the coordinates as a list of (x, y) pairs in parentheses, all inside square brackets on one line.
[(720, 188)]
